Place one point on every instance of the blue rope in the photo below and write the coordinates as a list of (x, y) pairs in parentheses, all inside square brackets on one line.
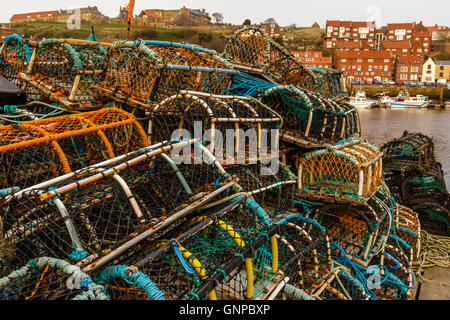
[(139, 279), (186, 265)]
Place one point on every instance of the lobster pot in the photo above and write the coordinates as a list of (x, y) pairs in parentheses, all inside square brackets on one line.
[(304, 253), (310, 120), (423, 187), (329, 82), (189, 55), (393, 180), (394, 265), (410, 151), (273, 185), (348, 170), (138, 77), (434, 215), (407, 230), (14, 58), (47, 278), (38, 150), (252, 50), (96, 212), (239, 129), (355, 229), (58, 73), (212, 256)]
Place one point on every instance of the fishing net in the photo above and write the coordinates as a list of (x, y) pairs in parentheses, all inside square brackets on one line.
[(190, 55), (59, 73), (239, 129), (407, 231), (410, 151), (47, 278), (351, 169), (358, 230), (14, 58), (273, 187), (211, 255), (310, 120), (34, 151), (434, 215), (136, 75), (98, 208), (251, 50), (304, 253), (329, 82), (417, 187)]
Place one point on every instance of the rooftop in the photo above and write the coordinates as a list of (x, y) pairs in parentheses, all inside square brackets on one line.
[(34, 15)]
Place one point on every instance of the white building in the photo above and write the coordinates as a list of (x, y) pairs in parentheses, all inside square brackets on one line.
[(429, 71)]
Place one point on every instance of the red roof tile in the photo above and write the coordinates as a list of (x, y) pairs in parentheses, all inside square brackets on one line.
[(151, 14), (33, 15), (396, 44), (392, 26), (382, 54)]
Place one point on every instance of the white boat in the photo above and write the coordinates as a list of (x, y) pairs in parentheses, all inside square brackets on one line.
[(384, 100), (418, 101), (360, 100)]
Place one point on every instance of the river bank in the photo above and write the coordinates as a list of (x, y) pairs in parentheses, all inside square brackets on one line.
[(434, 93)]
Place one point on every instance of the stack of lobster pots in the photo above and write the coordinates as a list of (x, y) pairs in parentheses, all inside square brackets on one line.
[(152, 170), (416, 180)]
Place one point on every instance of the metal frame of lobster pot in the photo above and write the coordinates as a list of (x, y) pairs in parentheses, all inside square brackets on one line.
[(219, 252), (65, 71), (33, 151), (311, 120), (214, 117), (99, 212), (347, 172), (251, 50)]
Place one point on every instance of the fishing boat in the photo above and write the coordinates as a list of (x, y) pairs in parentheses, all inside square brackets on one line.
[(383, 100), (360, 101), (419, 101)]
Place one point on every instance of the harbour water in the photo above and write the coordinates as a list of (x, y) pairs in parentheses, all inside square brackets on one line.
[(381, 125)]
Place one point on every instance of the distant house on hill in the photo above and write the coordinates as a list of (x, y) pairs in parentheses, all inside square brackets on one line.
[(90, 14), (34, 16), (191, 16)]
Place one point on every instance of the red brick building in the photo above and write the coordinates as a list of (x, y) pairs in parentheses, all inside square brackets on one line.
[(397, 47), (356, 30), (408, 68), (364, 66), (416, 33), (313, 59), (34, 16), (354, 45)]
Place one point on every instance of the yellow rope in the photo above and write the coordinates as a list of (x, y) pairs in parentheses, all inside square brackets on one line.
[(434, 251)]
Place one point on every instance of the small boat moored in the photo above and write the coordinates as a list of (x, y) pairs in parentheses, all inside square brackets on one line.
[(360, 101)]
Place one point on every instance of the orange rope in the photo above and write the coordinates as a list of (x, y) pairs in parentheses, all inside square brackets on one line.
[(39, 282)]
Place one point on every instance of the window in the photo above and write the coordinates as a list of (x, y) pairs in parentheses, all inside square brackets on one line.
[(403, 77), (429, 67), (386, 68), (441, 67), (404, 69), (359, 60), (370, 60), (405, 50), (441, 74), (343, 60), (386, 60), (399, 37), (414, 69)]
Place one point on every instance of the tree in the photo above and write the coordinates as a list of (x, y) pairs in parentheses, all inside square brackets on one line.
[(270, 20), (247, 22), (218, 16)]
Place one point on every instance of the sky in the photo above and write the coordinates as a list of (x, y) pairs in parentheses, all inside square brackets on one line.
[(285, 12)]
